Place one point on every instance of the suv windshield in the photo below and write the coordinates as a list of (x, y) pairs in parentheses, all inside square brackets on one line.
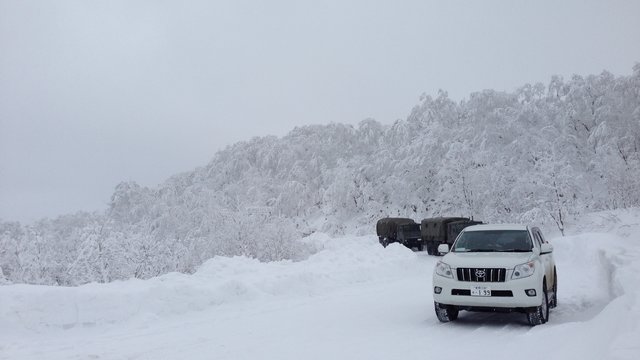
[(493, 241)]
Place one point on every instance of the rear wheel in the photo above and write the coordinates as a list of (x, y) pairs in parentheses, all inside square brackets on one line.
[(446, 313), (540, 315), (430, 249), (554, 298)]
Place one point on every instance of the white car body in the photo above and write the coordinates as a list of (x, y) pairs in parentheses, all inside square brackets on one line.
[(489, 281)]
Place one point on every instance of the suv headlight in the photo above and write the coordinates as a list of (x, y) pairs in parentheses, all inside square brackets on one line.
[(524, 270), (444, 269)]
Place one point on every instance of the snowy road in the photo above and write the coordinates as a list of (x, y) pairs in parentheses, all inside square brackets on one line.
[(354, 300)]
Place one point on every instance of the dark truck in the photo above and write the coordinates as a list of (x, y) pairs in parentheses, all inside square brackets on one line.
[(401, 230), (442, 230)]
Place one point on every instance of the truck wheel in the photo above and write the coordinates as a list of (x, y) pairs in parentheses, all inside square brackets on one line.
[(540, 315), (446, 313)]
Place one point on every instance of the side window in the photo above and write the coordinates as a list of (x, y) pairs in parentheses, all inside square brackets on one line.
[(541, 237), (536, 236)]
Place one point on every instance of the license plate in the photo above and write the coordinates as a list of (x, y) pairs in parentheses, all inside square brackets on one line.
[(480, 291)]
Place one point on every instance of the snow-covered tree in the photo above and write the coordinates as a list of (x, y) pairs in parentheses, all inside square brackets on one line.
[(544, 153)]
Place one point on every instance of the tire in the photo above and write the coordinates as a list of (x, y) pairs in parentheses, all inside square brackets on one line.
[(430, 249), (554, 298), (446, 313), (540, 314), (384, 242)]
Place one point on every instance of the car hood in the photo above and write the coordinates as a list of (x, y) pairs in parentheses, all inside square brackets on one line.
[(486, 259)]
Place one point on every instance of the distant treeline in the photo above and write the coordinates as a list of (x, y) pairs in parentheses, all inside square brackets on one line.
[(543, 153)]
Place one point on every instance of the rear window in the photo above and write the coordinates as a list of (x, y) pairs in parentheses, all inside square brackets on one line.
[(493, 241)]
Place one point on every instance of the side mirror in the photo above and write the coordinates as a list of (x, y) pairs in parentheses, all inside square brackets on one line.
[(443, 248), (546, 248)]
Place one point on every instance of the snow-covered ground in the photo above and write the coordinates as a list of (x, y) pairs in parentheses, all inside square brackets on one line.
[(352, 300)]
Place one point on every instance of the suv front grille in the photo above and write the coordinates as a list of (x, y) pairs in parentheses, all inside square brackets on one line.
[(481, 274)]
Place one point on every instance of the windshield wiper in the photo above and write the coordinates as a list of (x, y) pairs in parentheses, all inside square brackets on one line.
[(482, 250), (514, 250)]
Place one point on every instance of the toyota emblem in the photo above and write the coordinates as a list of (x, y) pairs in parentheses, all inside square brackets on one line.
[(480, 273)]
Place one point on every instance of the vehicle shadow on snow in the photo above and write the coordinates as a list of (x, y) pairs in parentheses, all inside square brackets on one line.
[(584, 311), (490, 319)]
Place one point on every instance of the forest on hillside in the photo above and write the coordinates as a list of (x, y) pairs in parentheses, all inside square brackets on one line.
[(544, 153)]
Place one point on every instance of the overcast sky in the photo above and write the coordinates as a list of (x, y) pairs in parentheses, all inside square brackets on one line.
[(96, 92)]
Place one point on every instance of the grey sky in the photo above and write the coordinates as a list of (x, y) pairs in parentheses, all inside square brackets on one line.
[(96, 92)]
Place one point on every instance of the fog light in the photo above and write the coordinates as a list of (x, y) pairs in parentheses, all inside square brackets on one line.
[(437, 289), (530, 292)]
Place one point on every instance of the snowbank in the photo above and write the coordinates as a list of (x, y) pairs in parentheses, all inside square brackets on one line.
[(339, 263), (602, 319)]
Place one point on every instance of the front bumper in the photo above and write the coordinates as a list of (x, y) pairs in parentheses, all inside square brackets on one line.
[(457, 293)]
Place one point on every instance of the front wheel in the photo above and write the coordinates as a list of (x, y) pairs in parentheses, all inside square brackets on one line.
[(540, 315), (554, 298), (446, 313)]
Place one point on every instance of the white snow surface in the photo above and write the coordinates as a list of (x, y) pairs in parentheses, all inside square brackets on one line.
[(351, 300)]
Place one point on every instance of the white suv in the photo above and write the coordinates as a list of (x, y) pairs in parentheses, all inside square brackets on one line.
[(496, 268)]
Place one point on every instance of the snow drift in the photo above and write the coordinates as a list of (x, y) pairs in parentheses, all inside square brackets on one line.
[(221, 280)]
